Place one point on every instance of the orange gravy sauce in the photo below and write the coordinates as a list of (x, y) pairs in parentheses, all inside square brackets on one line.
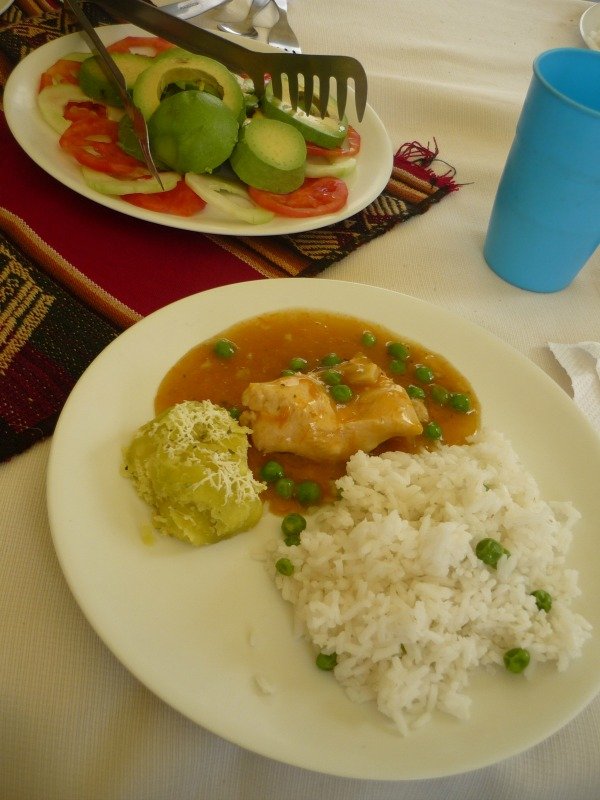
[(264, 346)]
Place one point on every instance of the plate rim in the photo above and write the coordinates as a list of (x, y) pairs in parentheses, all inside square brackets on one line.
[(588, 14), (19, 93), (278, 287)]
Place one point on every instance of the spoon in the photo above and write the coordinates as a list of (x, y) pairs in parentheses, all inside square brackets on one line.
[(245, 27)]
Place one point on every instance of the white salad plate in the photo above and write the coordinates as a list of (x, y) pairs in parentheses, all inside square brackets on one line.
[(204, 628), (40, 142), (589, 26), (5, 5)]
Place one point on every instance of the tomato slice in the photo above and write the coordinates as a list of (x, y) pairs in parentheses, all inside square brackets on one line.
[(349, 147), (75, 110), (93, 141), (181, 201), (131, 44), (315, 197), (63, 71)]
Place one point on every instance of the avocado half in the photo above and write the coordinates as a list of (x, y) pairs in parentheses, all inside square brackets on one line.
[(178, 66)]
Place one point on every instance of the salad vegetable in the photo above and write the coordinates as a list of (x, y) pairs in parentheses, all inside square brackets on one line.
[(211, 139), (183, 120), (96, 85), (327, 132), (270, 155)]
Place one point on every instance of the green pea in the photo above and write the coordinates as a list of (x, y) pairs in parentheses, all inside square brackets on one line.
[(368, 339), (543, 599), (326, 661), (460, 402), (298, 364), (235, 413), (433, 430), (223, 348), (439, 394), (517, 659), (415, 391), (308, 493), (293, 524), (397, 366), (285, 488), (423, 373), (490, 551), (284, 566), (341, 393), (332, 377), (397, 350), (285, 373), (271, 471), (331, 359)]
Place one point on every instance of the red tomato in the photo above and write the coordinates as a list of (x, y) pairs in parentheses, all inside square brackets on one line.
[(93, 141), (64, 71), (132, 43), (75, 110), (181, 201), (315, 197), (349, 147)]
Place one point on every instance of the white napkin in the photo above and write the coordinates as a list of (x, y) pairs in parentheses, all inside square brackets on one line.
[(581, 362)]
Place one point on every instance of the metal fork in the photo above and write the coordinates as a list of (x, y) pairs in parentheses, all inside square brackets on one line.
[(281, 35)]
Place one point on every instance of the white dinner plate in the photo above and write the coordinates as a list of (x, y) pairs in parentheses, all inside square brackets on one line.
[(5, 5), (40, 142), (589, 26), (199, 626)]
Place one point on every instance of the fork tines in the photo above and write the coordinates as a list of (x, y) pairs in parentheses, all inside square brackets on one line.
[(301, 71)]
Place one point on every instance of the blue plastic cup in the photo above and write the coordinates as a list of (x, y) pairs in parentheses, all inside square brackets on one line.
[(545, 223)]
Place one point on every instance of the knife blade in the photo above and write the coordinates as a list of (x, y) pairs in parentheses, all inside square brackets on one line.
[(114, 74)]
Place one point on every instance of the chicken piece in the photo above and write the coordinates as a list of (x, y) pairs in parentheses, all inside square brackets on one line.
[(296, 414)]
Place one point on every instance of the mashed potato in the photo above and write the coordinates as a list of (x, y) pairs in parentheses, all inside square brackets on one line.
[(190, 465)]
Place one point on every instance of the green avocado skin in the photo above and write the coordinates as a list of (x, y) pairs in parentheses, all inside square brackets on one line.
[(192, 131)]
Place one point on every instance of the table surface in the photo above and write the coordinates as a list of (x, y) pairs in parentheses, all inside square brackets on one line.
[(74, 724)]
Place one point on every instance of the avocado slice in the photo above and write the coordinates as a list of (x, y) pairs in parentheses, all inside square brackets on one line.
[(179, 66), (96, 85), (270, 155), (328, 131)]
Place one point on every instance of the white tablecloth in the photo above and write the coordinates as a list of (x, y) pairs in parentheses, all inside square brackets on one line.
[(74, 724)]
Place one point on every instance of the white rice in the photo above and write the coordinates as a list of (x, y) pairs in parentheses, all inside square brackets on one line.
[(387, 577)]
